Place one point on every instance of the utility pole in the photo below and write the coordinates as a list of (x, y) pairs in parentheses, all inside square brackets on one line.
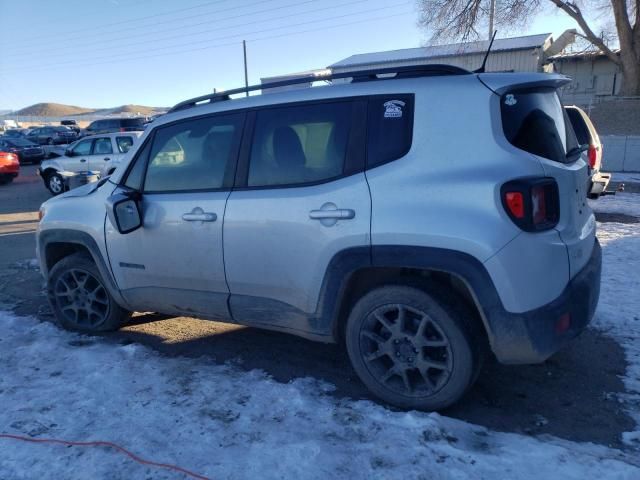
[(492, 15), (246, 77)]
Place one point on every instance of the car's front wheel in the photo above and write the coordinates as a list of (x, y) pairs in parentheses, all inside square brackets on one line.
[(79, 297), (55, 184), (412, 348)]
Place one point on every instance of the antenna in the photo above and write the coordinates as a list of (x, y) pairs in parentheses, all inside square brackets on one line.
[(486, 55)]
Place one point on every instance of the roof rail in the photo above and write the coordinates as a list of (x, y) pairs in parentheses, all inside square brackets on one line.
[(357, 76)]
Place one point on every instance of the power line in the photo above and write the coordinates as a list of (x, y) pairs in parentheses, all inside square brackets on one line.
[(137, 27), (146, 17), (238, 35), (190, 34), (238, 43)]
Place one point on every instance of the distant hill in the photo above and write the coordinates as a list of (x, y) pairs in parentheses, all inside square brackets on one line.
[(52, 110), (60, 110)]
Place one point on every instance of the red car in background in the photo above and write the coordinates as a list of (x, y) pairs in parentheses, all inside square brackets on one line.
[(9, 167)]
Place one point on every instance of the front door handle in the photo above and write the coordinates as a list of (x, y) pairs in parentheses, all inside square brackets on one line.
[(338, 214), (83, 159), (199, 215), (107, 159)]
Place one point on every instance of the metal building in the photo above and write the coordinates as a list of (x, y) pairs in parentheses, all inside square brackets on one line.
[(594, 76), (518, 54)]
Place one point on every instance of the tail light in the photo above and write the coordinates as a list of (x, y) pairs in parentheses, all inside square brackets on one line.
[(122, 129), (593, 155), (532, 204), (8, 159)]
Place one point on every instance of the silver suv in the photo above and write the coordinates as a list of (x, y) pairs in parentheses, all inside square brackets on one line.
[(420, 220)]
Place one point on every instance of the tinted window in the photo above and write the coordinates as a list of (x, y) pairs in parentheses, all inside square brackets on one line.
[(194, 155), (390, 128), (95, 125), (302, 144), (102, 146), (124, 144), (18, 142), (132, 122), (136, 174), (579, 126), (534, 121), (83, 147)]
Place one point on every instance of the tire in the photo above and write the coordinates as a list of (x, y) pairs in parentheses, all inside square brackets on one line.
[(55, 184), (427, 363), (4, 179), (79, 298), (49, 141)]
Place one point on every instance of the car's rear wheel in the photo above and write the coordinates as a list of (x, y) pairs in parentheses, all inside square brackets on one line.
[(412, 348), (4, 179), (80, 299), (49, 141), (55, 184)]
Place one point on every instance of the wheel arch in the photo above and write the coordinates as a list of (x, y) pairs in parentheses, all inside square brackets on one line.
[(56, 244), (460, 273)]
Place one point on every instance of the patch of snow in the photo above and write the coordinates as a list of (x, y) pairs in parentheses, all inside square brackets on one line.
[(225, 423), (618, 313), (627, 203)]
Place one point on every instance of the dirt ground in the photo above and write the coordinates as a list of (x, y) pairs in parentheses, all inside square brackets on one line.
[(574, 395)]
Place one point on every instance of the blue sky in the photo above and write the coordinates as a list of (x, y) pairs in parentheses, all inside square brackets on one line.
[(103, 53)]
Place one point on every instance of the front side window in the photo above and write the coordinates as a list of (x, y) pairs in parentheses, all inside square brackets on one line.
[(124, 144), (83, 147), (535, 121), (102, 146), (194, 155), (299, 144)]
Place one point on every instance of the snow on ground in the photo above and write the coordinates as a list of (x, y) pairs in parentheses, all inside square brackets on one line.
[(225, 423), (626, 203), (618, 313)]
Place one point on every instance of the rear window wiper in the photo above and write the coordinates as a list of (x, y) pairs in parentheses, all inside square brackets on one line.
[(576, 151)]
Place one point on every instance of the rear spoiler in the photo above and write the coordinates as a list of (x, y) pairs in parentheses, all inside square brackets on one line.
[(500, 83)]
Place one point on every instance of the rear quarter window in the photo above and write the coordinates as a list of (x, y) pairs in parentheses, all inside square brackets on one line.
[(390, 128), (535, 121)]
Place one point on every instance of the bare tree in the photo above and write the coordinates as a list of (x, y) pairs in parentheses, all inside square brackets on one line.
[(461, 19)]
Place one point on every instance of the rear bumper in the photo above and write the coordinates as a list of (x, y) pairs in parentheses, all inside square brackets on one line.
[(533, 336), (599, 183)]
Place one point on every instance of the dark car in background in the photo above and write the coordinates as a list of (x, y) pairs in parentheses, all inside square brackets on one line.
[(115, 125), (52, 135), (15, 133), (27, 152), (71, 124)]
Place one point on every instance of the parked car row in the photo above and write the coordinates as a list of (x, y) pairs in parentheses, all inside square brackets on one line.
[(98, 154)]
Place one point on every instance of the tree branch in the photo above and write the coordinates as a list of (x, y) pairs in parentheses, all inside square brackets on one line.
[(574, 12)]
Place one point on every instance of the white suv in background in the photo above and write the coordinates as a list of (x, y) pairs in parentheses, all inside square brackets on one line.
[(98, 154)]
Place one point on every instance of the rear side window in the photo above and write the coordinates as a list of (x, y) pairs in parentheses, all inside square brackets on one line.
[(534, 121), (300, 144), (124, 144), (102, 146), (390, 128), (132, 122)]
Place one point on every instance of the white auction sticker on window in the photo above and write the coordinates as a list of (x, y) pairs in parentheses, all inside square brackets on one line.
[(393, 109)]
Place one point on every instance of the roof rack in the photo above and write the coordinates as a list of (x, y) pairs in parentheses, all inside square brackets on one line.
[(410, 71)]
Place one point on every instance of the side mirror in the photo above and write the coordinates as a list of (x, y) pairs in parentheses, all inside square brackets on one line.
[(68, 153), (124, 212)]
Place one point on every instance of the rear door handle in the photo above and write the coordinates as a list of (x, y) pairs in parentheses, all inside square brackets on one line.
[(107, 159), (83, 159), (199, 215), (337, 214)]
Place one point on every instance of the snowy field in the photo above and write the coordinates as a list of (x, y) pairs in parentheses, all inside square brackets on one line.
[(225, 423)]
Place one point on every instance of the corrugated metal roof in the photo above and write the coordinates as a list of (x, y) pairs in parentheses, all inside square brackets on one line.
[(582, 54), (440, 51)]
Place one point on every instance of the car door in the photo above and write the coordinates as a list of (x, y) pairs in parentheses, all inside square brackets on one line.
[(34, 136), (79, 159), (174, 263), (102, 153), (302, 198)]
